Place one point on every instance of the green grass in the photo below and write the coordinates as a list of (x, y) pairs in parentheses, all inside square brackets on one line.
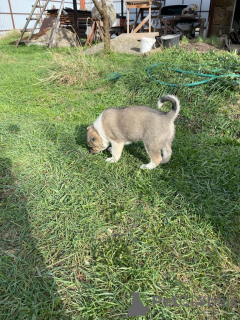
[(78, 235)]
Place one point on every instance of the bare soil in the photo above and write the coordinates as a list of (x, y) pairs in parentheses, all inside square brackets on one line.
[(118, 44), (199, 47), (64, 38)]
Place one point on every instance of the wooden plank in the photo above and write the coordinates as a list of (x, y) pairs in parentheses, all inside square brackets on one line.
[(76, 26), (56, 26), (138, 2), (91, 35), (150, 19), (138, 6), (141, 24), (127, 20), (138, 36)]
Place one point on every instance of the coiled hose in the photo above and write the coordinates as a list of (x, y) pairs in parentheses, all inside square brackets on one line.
[(210, 77)]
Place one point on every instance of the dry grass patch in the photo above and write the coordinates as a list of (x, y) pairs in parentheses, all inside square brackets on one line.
[(71, 67)]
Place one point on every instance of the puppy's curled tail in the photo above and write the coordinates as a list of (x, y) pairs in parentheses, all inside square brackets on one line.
[(175, 105)]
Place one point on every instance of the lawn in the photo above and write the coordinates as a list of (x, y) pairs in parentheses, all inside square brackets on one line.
[(78, 235)]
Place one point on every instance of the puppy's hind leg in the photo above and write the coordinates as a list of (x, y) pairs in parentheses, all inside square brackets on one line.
[(155, 157), (116, 150), (166, 152)]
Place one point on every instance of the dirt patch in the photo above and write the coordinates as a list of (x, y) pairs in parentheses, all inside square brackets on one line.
[(64, 38), (199, 47), (118, 44)]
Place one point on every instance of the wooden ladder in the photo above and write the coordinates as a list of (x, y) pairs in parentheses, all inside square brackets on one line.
[(55, 26), (37, 18)]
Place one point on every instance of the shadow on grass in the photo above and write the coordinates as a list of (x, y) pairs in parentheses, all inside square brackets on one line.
[(138, 151), (81, 135), (28, 289)]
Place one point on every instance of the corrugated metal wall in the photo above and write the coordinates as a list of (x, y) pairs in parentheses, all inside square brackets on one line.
[(21, 9)]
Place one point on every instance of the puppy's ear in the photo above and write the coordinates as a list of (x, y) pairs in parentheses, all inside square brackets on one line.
[(89, 126)]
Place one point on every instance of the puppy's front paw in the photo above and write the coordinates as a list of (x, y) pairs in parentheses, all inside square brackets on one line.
[(111, 160)]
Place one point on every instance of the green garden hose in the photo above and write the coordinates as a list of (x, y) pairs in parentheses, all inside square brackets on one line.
[(209, 77), (113, 76)]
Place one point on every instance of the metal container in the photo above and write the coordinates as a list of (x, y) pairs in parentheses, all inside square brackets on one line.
[(170, 40)]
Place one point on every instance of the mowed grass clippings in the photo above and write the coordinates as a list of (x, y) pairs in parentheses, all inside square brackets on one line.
[(78, 235)]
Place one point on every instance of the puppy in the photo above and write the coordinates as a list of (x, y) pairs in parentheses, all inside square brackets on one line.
[(121, 126)]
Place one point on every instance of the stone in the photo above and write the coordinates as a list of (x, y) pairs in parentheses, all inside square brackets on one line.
[(110, 11)]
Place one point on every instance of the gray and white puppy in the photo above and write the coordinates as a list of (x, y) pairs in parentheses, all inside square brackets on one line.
[(121, 126)]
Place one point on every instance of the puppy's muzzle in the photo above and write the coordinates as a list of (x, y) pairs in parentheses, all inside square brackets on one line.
[(92, 151)]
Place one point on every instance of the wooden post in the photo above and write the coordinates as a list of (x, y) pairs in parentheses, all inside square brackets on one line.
[(127, 20), (10, 8), (39, 4), (76, 25), (211, 15), (56, 26), (150, 16), (202, 21), (91, 34), (141, 24)]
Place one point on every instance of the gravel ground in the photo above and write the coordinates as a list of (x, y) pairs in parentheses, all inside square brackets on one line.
[(118, 45)]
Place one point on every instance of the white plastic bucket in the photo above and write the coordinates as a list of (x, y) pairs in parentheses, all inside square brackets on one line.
[(147, 44)]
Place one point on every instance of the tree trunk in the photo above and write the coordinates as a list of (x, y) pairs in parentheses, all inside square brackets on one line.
[(103, 11)]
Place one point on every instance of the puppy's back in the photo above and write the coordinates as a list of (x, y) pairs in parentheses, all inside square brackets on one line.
[(133, 123)]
